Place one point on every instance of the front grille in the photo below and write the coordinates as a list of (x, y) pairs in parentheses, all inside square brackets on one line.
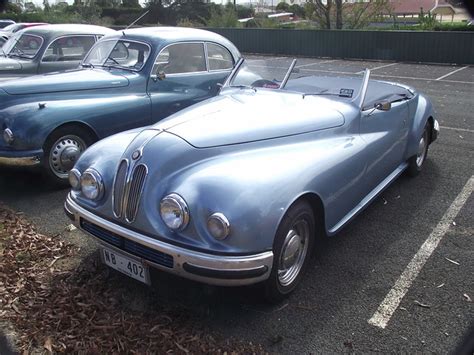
[(135, 191), (128, 188), (127, 245)]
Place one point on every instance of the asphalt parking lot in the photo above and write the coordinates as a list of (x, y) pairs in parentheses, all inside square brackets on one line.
[(370, 288)]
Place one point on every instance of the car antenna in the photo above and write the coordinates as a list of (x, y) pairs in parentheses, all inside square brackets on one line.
[(134, 22)]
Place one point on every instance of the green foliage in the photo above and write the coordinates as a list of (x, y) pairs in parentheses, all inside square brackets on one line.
[(226, 17), (427, 21), (283, 7), (297, 10)]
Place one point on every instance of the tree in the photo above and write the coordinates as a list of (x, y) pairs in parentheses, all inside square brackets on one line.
[(282, 6), (335, 13)]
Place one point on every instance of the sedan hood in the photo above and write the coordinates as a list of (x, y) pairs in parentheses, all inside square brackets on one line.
[(77, 79), (246, 116), (9, 64)]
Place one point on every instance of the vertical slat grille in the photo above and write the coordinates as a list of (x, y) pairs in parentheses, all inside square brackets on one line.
[(136, 186), (119, 187)]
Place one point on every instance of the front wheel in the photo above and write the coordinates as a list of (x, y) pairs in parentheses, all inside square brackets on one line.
[(61, 151), (415, 163), (292, 250)]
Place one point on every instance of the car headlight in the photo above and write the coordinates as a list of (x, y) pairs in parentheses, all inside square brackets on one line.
[(75, 179), (92, 185), (8, 136), (218, 226), (174, 212)]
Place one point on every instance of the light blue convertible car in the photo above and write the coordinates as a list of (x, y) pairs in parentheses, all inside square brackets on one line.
[(129, 79), (235, 190)]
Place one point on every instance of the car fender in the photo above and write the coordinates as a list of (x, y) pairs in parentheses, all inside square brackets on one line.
[(32, 121), (421, 109)]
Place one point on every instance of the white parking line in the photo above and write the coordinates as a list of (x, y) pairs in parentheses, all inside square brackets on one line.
[(391, 302), (458, 129), (380, 67), (451, 73), (323, 62)]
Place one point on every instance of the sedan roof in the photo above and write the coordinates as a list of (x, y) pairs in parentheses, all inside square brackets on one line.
[(48, 31), (165, 35)]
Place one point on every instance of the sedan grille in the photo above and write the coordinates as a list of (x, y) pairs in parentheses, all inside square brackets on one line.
[(128, 187), (136, 187)]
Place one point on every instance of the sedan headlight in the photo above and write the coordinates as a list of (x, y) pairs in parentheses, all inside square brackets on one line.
[(92, 185), (174, 212), (8, 136), (75, 179), (218, 226)]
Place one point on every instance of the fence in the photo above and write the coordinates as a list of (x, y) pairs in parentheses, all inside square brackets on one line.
[(404, 46)]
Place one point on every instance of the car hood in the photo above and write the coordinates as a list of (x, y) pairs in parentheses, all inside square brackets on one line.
[(73, 80), (247, 116), (9, 64)]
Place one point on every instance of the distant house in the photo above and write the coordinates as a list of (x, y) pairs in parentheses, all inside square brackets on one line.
[(413, 8)]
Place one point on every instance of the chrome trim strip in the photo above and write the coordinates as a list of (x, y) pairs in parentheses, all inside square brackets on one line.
[(120, 207), (23, 161), (369, 198), (181, 255)]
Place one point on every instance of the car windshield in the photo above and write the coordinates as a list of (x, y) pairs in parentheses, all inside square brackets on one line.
[(118, 54), (302, 77), (23, 46), (285, 73)]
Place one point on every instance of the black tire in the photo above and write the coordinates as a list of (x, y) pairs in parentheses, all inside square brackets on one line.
[(416, 162), (74, 138), (300, 214)]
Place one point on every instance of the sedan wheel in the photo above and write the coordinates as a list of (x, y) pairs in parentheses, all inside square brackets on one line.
[(64, 154), (292, 250), (415, 163), (62, 149)]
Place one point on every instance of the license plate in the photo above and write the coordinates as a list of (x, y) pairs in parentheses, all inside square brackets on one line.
[(126, 265)]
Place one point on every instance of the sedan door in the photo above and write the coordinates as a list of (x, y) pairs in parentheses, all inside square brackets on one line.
[(65, 53), (385, 133), (186, 73)]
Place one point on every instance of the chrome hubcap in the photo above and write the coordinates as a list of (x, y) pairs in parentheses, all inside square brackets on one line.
[(64, 154), (422, 147), (293, 253)]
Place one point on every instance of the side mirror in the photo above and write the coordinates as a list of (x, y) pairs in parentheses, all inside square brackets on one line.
[(383, 106), (160, 75)]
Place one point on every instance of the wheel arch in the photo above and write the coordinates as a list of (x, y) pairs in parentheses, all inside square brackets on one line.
[(71, 124), (317, 205)]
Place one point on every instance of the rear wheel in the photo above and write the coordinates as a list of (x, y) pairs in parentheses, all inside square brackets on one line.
[(292, 250), (61, 151), (415, 163)]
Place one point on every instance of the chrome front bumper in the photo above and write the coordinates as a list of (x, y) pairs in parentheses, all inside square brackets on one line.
[(207, 268), (20, 158)]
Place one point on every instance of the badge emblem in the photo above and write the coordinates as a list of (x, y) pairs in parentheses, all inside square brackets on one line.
[(136, 154)]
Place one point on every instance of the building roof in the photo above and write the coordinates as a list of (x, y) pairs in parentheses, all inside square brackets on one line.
[(409, 7)]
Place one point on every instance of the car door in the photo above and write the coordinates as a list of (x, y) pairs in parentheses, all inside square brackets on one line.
[(184, 74), (385, 133), (65, 53)]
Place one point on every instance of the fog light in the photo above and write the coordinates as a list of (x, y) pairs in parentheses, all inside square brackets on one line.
[(218, 226), (8, 136)]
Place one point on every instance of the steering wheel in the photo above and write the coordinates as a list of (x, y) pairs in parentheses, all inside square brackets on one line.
[(263, 83)]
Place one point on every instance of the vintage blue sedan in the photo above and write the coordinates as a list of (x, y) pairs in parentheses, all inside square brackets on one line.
[(235, 190), (129, 79), (47, 48)]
